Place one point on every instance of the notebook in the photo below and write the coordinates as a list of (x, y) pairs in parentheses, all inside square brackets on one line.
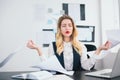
[(108, 73)]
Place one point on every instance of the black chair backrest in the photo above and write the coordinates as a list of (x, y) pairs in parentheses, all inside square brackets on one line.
[(90, 47)]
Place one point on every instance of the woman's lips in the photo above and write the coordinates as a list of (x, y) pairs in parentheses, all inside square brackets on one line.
[(67, 32)]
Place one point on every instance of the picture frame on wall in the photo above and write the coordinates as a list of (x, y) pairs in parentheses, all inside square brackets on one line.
[(76, 11), (86, 33)]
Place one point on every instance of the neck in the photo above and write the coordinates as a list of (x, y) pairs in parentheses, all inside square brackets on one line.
[(67, 39)]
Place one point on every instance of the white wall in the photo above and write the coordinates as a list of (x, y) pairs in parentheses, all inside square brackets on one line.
[(109, 19), (109, 16), (119, 11), (19, 22)]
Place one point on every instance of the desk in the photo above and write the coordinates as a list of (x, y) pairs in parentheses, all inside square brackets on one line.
[(77, 76), (80, 76)]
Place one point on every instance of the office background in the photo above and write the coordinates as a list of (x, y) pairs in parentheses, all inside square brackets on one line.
[(22, 20)]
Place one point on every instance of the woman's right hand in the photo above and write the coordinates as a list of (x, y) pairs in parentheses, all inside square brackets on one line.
[(31, 45)]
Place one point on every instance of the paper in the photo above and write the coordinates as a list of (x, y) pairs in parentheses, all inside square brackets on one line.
[(74, 11), (39, 75), (89, 33), (10, 56), (53, 64), (113, 37), (60, 77)]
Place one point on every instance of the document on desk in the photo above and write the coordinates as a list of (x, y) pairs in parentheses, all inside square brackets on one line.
[(113, 37), (53, 64), (38, 75), (41, 75), (60, 77)]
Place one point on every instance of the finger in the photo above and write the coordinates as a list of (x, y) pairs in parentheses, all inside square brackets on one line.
[(109, 44), (31, 41), (28, 43), (106, 43)]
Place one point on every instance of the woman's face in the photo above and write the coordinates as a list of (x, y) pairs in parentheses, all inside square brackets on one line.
[(66, 28)]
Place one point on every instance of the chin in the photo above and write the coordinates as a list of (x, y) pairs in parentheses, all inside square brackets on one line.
[(67, 35)]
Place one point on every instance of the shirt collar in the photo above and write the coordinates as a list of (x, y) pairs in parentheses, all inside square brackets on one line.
[(67, 44)]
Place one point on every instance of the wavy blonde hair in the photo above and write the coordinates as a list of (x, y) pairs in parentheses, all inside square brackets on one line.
[(59, 37)]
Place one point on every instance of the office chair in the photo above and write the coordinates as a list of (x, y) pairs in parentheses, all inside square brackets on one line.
[(90, 47)]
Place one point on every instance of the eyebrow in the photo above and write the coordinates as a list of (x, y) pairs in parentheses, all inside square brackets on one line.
[(65, 24)]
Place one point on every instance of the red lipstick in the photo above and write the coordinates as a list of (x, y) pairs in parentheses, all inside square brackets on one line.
[(67, 32)]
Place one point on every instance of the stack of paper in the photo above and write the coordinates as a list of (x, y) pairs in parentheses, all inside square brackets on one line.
[(53, 64), (60, 77), (39, 75)]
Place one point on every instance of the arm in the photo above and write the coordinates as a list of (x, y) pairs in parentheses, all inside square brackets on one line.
[(89, 63), (34, 46)]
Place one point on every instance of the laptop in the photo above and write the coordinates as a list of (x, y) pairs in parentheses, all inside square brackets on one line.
[(108, 73)]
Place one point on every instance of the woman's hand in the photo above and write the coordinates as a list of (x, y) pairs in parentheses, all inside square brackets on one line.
[(105, 46), (32, 45)]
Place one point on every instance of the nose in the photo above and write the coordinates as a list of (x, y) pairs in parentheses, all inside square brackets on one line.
[(67, 27)]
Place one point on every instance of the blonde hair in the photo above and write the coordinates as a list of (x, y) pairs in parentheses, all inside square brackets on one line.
[(59, 38)]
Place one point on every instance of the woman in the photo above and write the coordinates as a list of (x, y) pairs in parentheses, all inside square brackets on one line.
[(70, 52)]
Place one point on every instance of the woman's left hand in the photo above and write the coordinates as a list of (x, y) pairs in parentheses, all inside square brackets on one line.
[(105, 46)]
